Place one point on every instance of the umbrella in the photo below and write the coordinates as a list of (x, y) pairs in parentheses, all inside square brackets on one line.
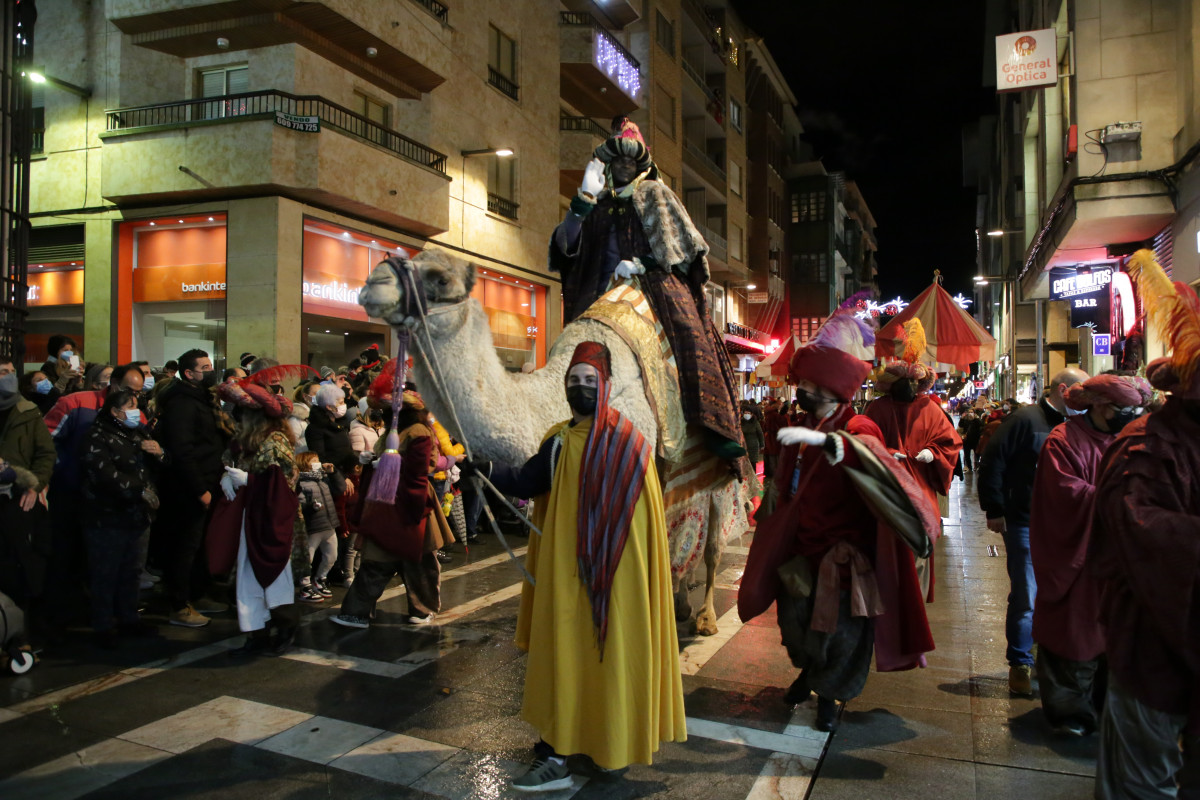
[(952, 335), (776, 364)]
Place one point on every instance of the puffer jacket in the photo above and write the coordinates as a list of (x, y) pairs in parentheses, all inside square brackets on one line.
[(363, 437), (313, 489), (330, 440), (298, 422), (117, 473)]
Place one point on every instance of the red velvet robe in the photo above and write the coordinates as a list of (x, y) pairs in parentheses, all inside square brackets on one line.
[(920, 425), (827, 509), (1067, 609)]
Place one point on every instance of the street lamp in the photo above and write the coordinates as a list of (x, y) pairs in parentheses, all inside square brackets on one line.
[(41, 77), (999, 232), (502, 152)]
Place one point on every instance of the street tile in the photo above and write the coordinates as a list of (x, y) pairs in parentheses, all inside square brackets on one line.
[(475, 776), (752, 737), (943, 734), (230, 718), (994, 781), (1028, 742), (83, 771), (888, 775), (320, 739), (784, 777), (395, 758), (38, 738)]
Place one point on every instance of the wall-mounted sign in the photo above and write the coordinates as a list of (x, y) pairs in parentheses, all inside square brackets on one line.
[(57, 288), (758, 297), (298, 123), (1088, 290), (1027, 60), (183, 282), (1102, 344)]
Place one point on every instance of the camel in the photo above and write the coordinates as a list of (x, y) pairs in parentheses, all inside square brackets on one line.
[(503, 415)]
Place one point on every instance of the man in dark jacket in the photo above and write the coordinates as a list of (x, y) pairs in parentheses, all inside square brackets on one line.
[(189, 432), (1006, 473)]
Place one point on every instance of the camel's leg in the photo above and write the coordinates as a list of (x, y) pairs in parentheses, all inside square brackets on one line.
[(706, 620), (683, 603)]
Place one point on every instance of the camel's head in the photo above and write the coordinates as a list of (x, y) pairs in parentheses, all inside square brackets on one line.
[(447, 279)]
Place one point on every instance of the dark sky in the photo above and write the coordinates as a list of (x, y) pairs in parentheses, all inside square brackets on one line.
[(883, 89)]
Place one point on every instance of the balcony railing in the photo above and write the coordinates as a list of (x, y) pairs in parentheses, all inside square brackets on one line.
[(717, 246), (503, 83), (264, 105), (502, 206), (708, 160), (439, 11), (610, 55), (698, 77), (582, 125)]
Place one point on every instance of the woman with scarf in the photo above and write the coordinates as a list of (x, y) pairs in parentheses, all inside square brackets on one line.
[(1066, 611), (599, 625)]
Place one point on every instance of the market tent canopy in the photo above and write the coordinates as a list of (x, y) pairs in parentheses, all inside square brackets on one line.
[(776, 364), (952, 335)]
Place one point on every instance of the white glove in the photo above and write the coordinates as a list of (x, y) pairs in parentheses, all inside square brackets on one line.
[(231, 481), (925, 456), (593, 180), (366, 457), (788, 436), (899, 456), (627, 269)]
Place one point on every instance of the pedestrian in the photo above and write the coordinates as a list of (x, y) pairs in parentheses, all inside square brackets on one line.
[(119, 501), (36, 388), (970, 437), (63, 365), (26, 461), (365, 431), (328, 435), (602, 678), (320, 522), (401, 536), (298, 421), (752, 434), (171, 369), (842, 590), (774, 420), (260, 482), (194, 433), (625, 221), (97, 377), (450, 453), (1146, 553), (1005, 486), (1066, 626)]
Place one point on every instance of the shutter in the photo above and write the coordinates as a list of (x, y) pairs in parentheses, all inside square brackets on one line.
[(239, 80), (212, 83)]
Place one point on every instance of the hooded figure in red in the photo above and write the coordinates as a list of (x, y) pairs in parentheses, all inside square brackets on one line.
[(843, 584), (1066, 623)]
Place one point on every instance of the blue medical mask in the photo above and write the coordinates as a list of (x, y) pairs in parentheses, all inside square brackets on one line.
[(43, 386), (148, 384), (65, 355), (133, 418)]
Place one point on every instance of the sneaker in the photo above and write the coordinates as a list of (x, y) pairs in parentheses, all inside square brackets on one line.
[(310, 596), (207, 605), (414, 620), (323, 588), (546, 775), (351, 622), (188, 617), (1020, 679), (443, 556)]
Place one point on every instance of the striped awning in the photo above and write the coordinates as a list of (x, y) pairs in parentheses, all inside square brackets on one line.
[(952, 335)]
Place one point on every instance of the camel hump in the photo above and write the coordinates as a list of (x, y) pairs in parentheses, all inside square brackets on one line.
[(626, 311)]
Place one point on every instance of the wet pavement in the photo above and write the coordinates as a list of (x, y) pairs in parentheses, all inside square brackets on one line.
[(433, 712)]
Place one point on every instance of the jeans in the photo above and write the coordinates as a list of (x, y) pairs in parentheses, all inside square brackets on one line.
[(113, 553), (1018, 626), (473, 506)]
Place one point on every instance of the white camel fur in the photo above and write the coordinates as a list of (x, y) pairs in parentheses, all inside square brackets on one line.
[(504, 415)]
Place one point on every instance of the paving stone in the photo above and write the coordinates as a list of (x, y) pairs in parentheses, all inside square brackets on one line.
[(888, 775)]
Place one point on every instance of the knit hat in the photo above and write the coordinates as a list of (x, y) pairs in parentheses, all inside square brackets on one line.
[(592, 353), (909, 366), (626, 141), (838, 358), (57, 342), (248, 394), (1126, 392), (246, 359), (1175, 309), (326, 373)]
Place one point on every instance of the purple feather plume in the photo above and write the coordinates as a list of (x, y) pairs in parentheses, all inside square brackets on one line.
[(846, 332)]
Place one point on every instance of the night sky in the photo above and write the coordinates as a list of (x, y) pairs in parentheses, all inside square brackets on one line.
[(883, 90)]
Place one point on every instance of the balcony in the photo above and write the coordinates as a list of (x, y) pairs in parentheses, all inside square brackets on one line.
[(619, 13), (502, 82), (597, 75), (578, 138), (236, 145), (410, 57), (706, 167), (718, 248), (502, 206)]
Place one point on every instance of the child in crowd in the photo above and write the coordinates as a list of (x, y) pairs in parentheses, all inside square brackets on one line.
[(320, 519)]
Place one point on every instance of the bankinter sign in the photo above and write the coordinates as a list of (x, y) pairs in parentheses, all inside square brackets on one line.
[(1026, 60)]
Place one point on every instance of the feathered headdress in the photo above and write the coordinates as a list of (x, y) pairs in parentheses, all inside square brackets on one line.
[(838, 357), (909, 366), (1175, 309), (282, 375)]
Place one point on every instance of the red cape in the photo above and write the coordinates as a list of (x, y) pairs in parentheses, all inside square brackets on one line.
[(828, 509), (1067, 609), (399, 528), (920, 425), (270, 506)]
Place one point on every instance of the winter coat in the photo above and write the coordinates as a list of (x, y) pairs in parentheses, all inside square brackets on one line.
[(26, 446), (314, 491), (62, 383), (298, 422), (1009, 462), (363, 437), (188, 431), (330, 439), (752, 432), (116, 474), (448, 448), (69, 422)]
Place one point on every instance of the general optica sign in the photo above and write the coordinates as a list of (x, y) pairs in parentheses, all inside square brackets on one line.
[(1026, 60)]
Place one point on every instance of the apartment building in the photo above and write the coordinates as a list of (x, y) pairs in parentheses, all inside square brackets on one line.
[(1081, 171)]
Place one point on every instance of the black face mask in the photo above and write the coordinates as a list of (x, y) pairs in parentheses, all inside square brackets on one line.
[(582, 399), (904, 391), (1117, 423), (808, 401)]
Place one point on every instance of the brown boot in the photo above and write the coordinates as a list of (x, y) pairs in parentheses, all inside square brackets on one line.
[(1020, 680)]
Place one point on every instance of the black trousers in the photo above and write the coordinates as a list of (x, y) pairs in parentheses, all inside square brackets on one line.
[(67, 570), (421, 579), (185, 566), (1072, 691), (113, 572)]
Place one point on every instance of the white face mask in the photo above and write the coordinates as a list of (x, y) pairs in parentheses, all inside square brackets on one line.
[(340, 411), (747, 416)]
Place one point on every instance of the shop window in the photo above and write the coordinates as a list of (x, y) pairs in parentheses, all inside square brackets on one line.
[(219, 83), (735, 114), (664, 33), (38, 121), (502, 62), (502, 186), (516, 315), (336, 263), (665, 110)]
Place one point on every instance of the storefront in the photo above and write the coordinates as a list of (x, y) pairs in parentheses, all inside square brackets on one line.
[(55, 303), (516, 311), (171, 288)]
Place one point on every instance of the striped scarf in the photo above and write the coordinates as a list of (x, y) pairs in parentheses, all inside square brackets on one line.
[(611, 476)]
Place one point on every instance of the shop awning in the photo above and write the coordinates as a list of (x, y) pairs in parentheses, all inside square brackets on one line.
[(952, 335), (776, 364), (739, 346)]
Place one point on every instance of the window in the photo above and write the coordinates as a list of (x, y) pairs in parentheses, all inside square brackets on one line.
[(735, 241), (735, 114), (808, 206), (502, 186), (735, 178), (664, 33), (220, 82), (374, 110), (810, 268), (665, 111), (667, 178), (502, 62)]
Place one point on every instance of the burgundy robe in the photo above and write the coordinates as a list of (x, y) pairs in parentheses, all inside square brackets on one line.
[(1146, 552), (827, 509), (920, 425), (1066, 613)]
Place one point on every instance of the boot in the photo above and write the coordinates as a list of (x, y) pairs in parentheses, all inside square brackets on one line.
[(257, 643), (798, 692), (826, 714)]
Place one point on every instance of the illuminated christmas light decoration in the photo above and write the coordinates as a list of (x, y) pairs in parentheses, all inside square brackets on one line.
[(963, 302), (615, 63), (890, 308)]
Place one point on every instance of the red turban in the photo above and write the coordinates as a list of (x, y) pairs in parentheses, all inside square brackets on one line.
[(1126, 392)]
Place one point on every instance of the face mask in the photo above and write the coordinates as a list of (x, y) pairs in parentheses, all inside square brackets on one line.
[(65, 355), (582, 399), (747, 416), (1005, 409), (1123, 418), (133, 418), (43, 386), (1070, 412), (148, 384), (904, 391), (340, 411), (808, 401), (210, 379)]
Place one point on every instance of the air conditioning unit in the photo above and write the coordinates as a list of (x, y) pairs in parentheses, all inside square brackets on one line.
[(1122, 141)]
